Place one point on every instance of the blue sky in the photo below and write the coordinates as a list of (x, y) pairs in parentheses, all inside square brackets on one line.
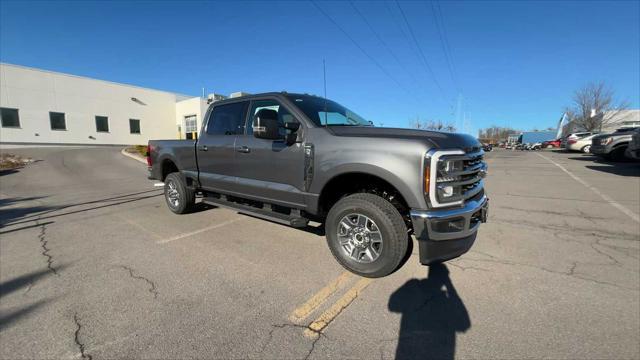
[(516, 63)]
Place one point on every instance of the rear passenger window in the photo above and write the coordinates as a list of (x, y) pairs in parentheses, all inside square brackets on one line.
[(227, 119)]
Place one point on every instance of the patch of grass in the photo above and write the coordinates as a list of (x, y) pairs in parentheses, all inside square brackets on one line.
[(140, 150), (11, 161)]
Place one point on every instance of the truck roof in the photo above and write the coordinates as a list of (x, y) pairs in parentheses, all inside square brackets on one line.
[(271, 93)]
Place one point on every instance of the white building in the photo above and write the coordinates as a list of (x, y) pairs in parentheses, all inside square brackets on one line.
[(45, 107), (611, 120)]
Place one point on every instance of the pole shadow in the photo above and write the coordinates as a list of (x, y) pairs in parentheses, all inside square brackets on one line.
[(432, 314)]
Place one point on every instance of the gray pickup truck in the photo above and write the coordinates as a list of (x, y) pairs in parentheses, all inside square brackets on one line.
[(292, 158), (614, 145)]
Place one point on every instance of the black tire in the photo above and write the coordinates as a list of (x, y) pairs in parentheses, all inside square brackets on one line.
[(586, 149), (389, 224), (186, 197), (617, 154)]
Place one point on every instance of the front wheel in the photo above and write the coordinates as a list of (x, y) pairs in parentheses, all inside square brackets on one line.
[(366, 235), (586, 149), (180, 199)]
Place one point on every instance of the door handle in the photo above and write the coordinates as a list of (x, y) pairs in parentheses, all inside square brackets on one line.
[(243, 149), (203, 148)]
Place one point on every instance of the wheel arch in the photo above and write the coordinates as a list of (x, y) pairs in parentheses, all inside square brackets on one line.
[(167, 166), (351, 182)]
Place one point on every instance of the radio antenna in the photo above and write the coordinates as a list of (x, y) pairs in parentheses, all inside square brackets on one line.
[(324, 75)]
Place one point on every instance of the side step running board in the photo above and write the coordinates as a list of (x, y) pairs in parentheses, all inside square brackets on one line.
[(264, 213)]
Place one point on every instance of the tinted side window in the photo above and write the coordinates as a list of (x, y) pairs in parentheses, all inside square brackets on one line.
[(134, 126), (227, 119), (283, 114), (58, 121), (9, 117), (102, 124)]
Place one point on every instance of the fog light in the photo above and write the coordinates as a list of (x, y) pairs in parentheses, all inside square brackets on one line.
[(448, 226), (447, 191)]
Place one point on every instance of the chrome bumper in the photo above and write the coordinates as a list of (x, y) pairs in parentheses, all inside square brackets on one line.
[(450, 224)]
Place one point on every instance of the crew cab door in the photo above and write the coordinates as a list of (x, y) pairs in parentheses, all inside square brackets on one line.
[(270, 170), (215, 149)]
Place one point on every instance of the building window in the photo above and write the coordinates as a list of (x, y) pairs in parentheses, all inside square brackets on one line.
[(190, 123), (102, 124), (191, 127), (134, 126), (58, 121), (9, 117)]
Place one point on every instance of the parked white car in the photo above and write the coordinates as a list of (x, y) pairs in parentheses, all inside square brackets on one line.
[(580, 144), (564, 144)]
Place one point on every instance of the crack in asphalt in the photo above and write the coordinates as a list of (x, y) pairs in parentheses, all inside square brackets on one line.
[(581, 214), (570, 272), (305, 327), (45, 250), (80, 345), (465, 268), (563, 228), (152, 289)]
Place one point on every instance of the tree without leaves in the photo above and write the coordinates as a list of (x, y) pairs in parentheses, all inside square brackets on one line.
[(593, 107), (494, 134), (436, 125)]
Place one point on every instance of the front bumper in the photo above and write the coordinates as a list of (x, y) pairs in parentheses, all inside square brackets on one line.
[(448, 233), (599, 149)]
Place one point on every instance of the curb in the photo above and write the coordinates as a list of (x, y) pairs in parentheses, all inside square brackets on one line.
[(134, 157)]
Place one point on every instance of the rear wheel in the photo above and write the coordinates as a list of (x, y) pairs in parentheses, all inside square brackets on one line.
[(586, 149), (367, 235), (180, 199), (617, 154)]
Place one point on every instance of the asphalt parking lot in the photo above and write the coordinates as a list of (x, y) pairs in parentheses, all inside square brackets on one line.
[(93, 265)]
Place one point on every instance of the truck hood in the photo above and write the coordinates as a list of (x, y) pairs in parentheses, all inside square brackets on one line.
[(437, 139), (616, 135)]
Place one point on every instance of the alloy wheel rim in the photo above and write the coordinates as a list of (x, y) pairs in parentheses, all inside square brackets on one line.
[(360, 238), (173, 196)]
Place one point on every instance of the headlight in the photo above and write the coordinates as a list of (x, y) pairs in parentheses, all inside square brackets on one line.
[(447, 191), (450, 166)]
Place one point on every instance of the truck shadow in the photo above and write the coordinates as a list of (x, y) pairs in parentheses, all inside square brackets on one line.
[(432, 314), (21, 215), (621, 170)]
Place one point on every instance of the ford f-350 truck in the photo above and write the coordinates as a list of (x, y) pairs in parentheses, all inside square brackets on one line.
[(291, 158)]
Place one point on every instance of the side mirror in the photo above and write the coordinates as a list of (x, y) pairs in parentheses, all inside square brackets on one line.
[(265, 125)]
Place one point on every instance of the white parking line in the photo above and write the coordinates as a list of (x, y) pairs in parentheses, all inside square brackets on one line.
[(185, 235), (604, 197)]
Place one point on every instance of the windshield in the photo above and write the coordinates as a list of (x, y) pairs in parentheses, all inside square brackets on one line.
[(326, 112)]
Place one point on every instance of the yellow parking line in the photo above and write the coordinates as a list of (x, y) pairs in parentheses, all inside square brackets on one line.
[(330, 314), (319, 298)]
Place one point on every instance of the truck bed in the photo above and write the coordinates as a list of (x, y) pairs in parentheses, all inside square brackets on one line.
[(181, 151)]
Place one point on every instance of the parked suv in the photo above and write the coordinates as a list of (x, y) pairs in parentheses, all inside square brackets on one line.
[(612, 146), (573, 136), (580, 144), (633, 150), (291, 158)]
